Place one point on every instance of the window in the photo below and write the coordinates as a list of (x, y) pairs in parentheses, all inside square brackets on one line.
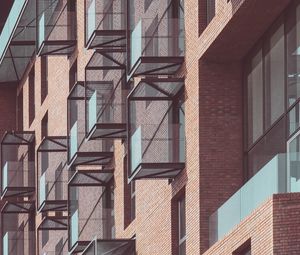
[(132, 200), (181, 226), (293, 56), (31, 84), (274, 77), (255, 98), (210, 10), (44, 126), (44, 78), (244, 249), (129, 197), (20, 110), (73, 75)]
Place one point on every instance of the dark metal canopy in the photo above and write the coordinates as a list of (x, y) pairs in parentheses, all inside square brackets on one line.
[(18, 207), (53, 144), (111, 247), (54, 223), (17, 41), (17, 138), (91, 177), (157, 89)]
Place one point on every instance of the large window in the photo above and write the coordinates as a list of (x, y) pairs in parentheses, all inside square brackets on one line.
[(182, 226), (273, 91), (293, 56)]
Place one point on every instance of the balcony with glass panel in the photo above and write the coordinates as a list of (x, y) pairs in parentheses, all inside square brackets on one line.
[(17, 41), (80, 151), (18, 224), (156, 129), (52, 173), (280, 175), (55, 228), (106, 91), (105, 23), (156, 46), (17, 164), (56, 27), (93, 216)]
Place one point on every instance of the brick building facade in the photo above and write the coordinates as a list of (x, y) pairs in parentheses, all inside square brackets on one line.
[(150, 127)]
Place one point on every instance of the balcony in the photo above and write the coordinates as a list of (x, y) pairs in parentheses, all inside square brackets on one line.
[(279, 175), (111, 247), (55, 228), (17, 164), (105, 23), (106, 93), (18, 223), (81, 151), (90, 217), (53, 177), (156, 129), (156, 46), (56, 27), (17, 41)]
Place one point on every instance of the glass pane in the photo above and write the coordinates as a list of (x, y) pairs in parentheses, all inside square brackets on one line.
[(5, 244), (294, 119), (74, 227), (136, 149), (5, 176), (255, 99), (42, 188), (293, 56), (182, 225), (294, 164), (92, 110), (91, 18), (274, 77), (271, 144), (73, 140), (10, 25)]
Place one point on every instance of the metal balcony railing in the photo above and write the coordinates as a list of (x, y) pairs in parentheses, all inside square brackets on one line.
[(156, 129), (56, 27), (81, 151), (17, 41), (52, 174), (17, 164), (105, 23), (105, 94), (90, 217), (17, 230)]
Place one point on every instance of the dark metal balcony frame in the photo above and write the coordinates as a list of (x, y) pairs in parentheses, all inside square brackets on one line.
[(61, 221), (170, 170), (119, 244), (16, 191), (119, 34), (22, 207), (61, 44), (87, 178), (82, 157), (52, 205), (111, 130), (11, 56), (169, 61)]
